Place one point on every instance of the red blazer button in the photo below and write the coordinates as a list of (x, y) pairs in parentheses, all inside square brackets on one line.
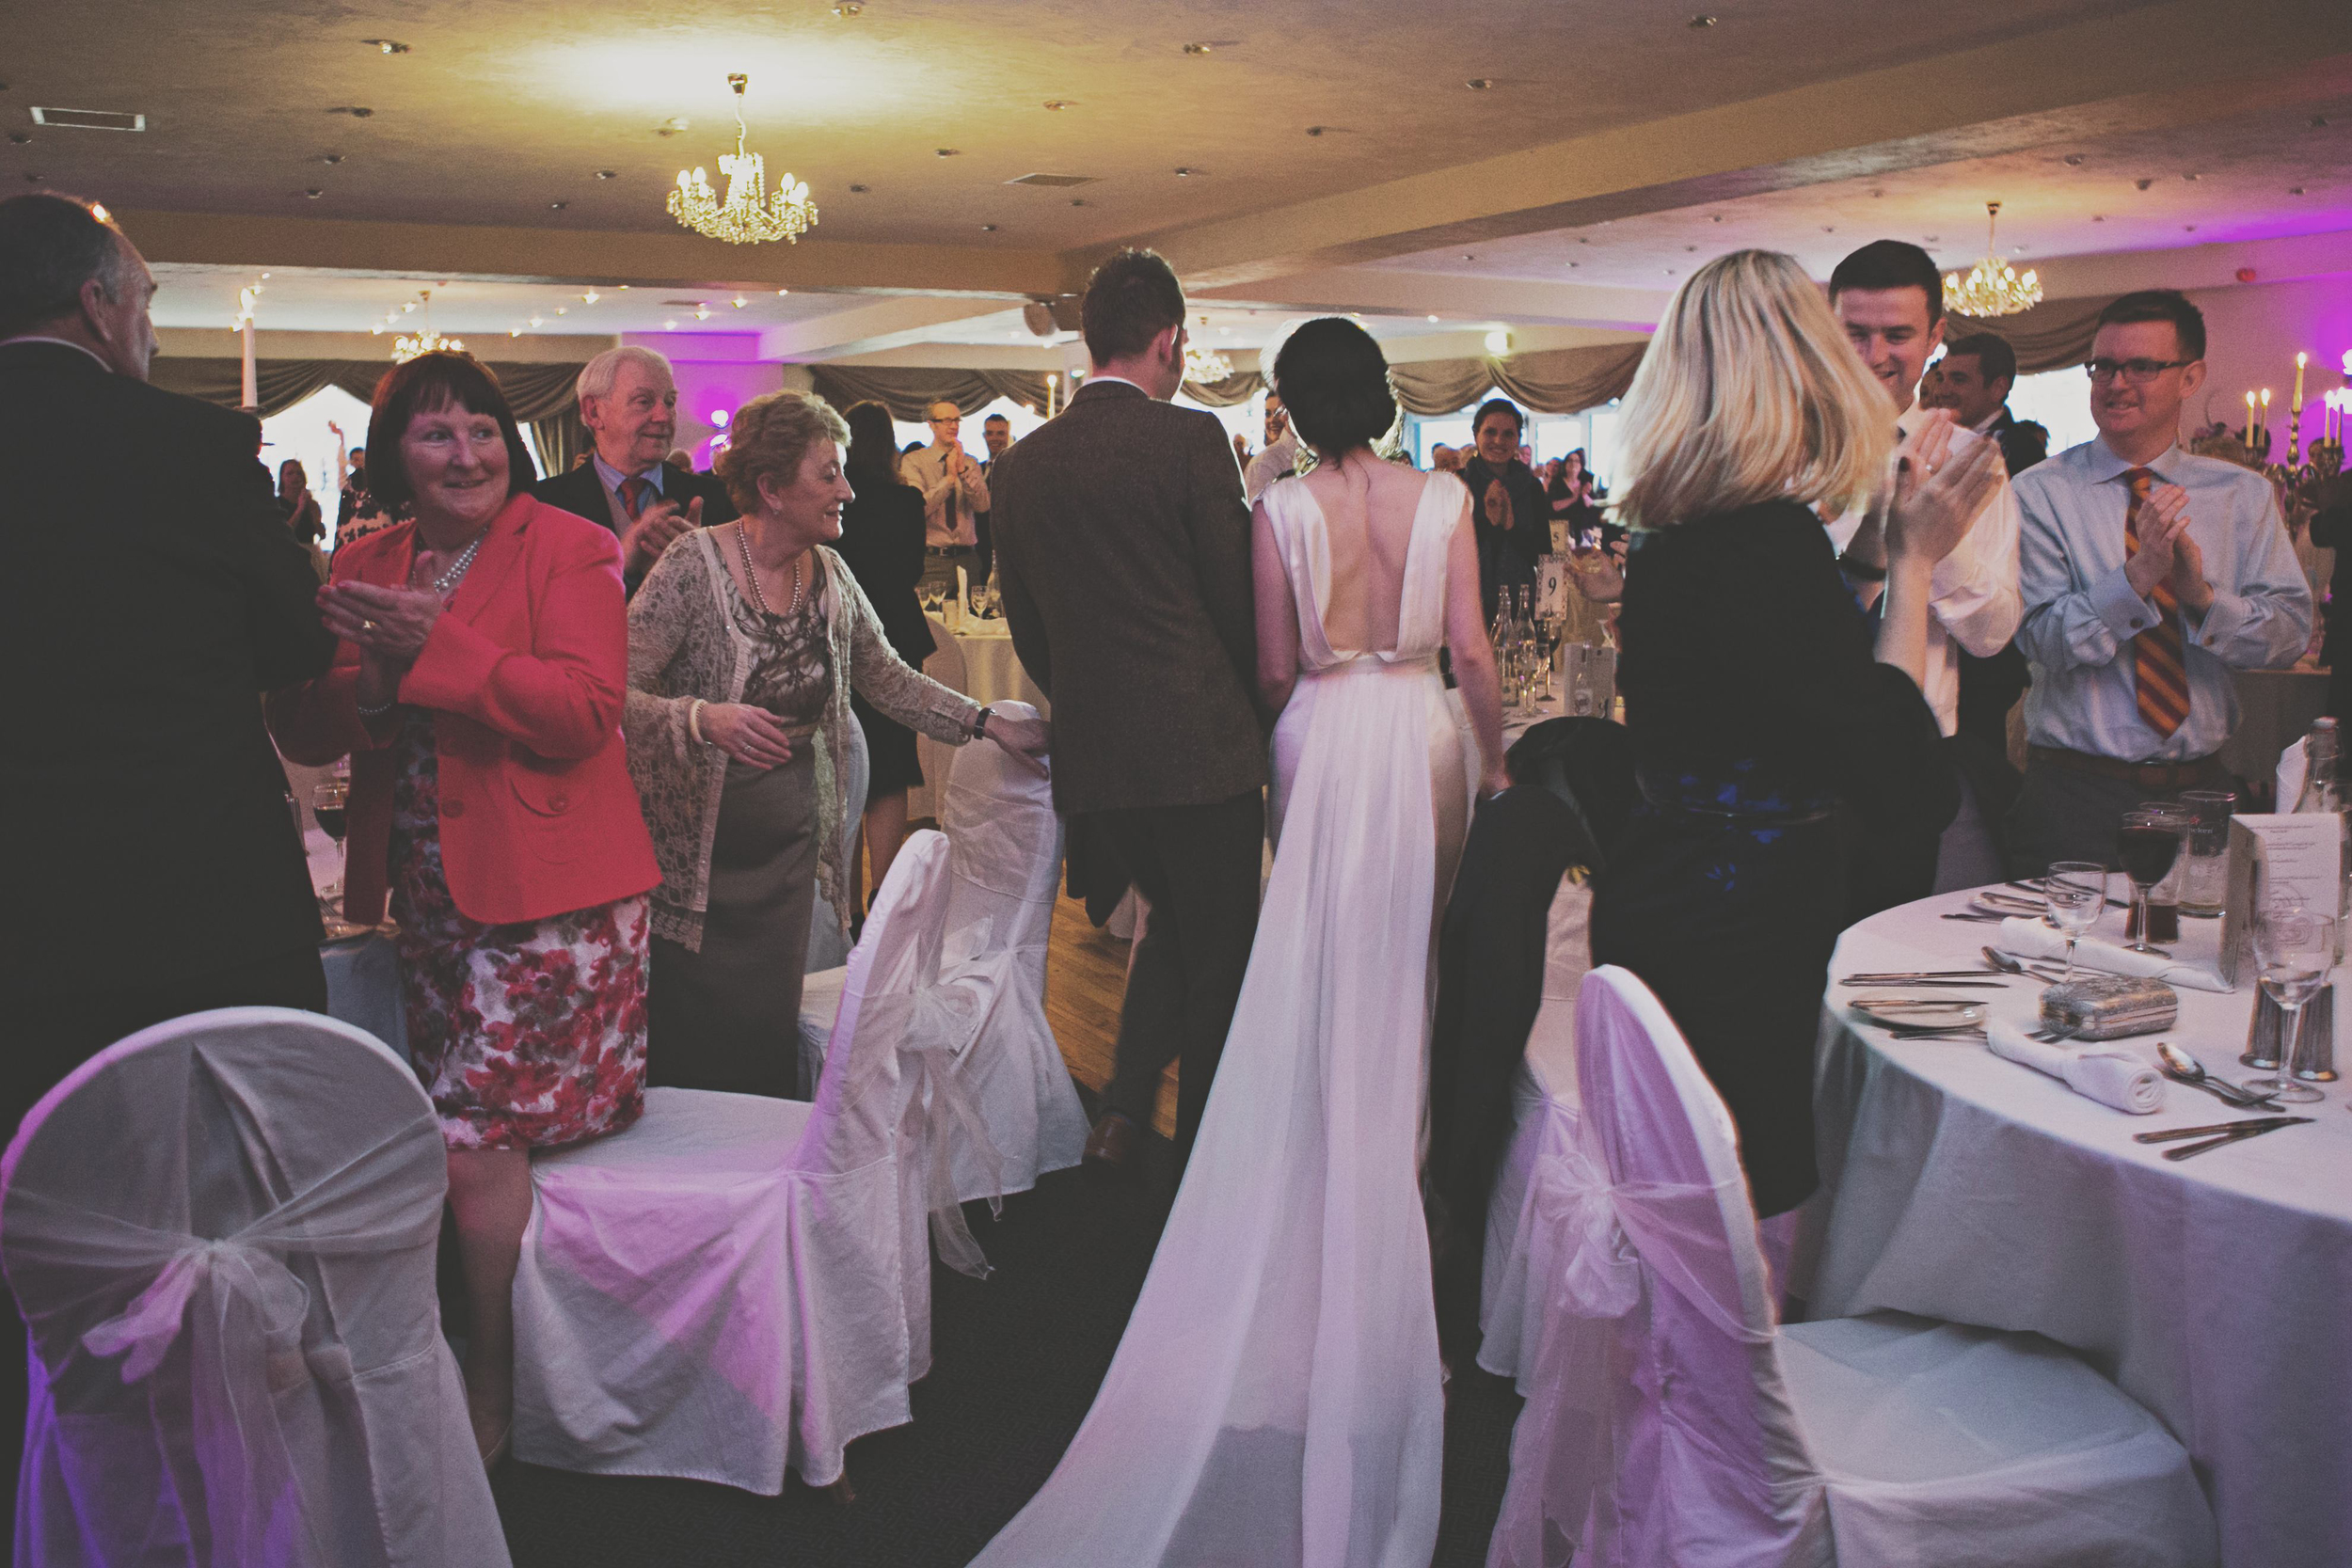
[(559, 802)]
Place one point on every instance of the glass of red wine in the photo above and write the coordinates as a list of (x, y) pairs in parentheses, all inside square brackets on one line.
[(328, 802), (2147, 844)]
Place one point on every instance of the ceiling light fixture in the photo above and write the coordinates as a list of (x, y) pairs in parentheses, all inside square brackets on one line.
[(1479, 83), (590, 297), (1499, 343), (749, 215), (1204, 365), (1197, 48), (538, 320), (849, 8), (405, 348), (1059, 102), (740, 302), (702, 312), (1700, 24), (607, 174), (1993, 287), (386, 46)]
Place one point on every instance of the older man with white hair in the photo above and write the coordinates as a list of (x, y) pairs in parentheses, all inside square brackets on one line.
[(629, 402)]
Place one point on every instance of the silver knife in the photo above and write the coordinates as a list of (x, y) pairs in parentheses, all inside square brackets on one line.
[(2269, 1125)]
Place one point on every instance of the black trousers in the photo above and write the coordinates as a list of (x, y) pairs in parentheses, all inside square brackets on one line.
[(1199, 868), (53, 1032)]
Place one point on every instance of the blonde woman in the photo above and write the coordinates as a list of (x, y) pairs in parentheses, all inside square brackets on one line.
[(1769, 722), (745, 643)]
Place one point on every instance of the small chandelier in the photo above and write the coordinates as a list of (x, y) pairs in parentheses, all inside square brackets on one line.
[(1204, 365), (749, 215), (427, 342), (1992, 288)]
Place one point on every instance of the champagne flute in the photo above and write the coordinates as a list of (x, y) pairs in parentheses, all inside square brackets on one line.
[(2076, 893), (2294, 949), (2147, 845)]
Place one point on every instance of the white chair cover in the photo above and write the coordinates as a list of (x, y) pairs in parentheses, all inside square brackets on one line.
[(1522, 1253), (222, 1232), (1673, 1421), (736, 1285), (945, 666), (1005, 843)]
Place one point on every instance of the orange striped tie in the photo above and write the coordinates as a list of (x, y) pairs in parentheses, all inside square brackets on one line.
[(2158, 669)]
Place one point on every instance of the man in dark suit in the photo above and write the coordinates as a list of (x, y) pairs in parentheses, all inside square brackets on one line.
[(1122, 553), (629, 402), (153, 867), (996, 432)]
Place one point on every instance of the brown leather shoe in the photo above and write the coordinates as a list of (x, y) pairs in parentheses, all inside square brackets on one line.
[(1111, 1145)]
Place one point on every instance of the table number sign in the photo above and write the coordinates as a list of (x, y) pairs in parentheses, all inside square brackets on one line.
[(2275, 855), (1551, 588)]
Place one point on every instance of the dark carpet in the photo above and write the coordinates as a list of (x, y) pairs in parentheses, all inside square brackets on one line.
[(1015, 1363)]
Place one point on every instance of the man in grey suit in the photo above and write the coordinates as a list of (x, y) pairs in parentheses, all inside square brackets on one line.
[(1122, 554)]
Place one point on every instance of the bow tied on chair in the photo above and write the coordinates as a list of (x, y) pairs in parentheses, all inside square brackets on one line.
[(934, 1025)]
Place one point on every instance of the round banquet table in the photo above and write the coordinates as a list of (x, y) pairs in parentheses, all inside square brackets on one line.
[(979, 662), (2275, 710), (1962, 1186)]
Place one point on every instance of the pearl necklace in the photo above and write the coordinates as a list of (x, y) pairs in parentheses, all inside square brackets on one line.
[(447, 582), (751, 575)]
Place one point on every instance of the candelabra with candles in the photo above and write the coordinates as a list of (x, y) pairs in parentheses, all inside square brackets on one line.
[(2305, 473)]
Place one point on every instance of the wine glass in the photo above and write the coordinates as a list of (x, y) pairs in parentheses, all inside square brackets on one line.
[(2075, 892), (2147, 844), (2294, 949), (328, 802)]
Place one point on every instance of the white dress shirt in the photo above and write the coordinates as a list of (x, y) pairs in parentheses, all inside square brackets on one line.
[(1278, 458), (949, 500), (1973, 599), (2081, 613)]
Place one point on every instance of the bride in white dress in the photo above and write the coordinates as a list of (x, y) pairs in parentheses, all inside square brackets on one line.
[(1277, 1401)]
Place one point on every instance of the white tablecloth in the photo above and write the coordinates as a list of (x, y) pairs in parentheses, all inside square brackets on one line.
[(992, 674), (2214, 1292)]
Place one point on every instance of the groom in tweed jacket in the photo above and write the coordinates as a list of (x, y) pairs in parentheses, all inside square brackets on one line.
[(1122, 553)]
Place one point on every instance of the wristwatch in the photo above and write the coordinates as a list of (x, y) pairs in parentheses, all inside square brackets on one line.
[(979, 724)]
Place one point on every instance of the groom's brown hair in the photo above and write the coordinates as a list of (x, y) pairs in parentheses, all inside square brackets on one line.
[(1130, 299)]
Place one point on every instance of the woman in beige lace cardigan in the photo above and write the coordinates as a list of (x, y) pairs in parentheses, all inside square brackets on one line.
[(739, 734)]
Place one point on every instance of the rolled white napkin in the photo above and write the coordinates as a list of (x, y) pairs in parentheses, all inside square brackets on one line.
[(2114, 1078), (2031, 939)]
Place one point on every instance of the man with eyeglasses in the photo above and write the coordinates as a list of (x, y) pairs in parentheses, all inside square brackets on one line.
[(954, 494), (2149, 576)]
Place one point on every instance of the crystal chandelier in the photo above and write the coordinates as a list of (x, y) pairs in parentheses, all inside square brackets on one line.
[(1204, 365), (1993, 287), (749, 215), (427, 342)]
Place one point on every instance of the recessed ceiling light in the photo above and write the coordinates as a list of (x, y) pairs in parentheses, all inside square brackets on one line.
[(859, 190), (949, 151), (2142, 184), (512, 331), (1469, 257), (1317, 130), (2318, 121), (2190, 178), (314, 193), (34, 179), (702, 312), (2189, 228), (1432, 318), (1197, 48), (557, 206), (849, 8), (1583, 239), (536, 319), (2072, 160), (2098, 217), (590, 297), (1479, 83), (781, 293), (1670, 272), (1185, 172), (90, 120), (607, 174), (669, 327), (1933, 239), (1690, 247), (562, 309), (386, 46), (354, 110), (2294, 190), (1715, 217), (330, 159), (19, 137), (1576, 264), (1829, 228), (1700, 23), (738, 302), (988, 229), (1059, 102), (407, 306), (672, 126)]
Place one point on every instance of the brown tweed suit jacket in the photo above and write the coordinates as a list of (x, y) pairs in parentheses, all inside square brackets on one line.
[(1122, 553)]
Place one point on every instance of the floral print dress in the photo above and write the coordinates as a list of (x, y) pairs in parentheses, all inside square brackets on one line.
[(529, 1035)]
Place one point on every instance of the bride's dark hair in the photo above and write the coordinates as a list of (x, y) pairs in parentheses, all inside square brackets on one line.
[(1334, 381)]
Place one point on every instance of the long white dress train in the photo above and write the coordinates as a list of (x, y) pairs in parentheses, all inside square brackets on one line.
[(1277, 1401)]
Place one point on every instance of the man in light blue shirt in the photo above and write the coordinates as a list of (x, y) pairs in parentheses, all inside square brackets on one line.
[(2134, 640)]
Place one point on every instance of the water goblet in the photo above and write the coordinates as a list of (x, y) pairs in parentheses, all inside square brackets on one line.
[(2076, 893), (2294, 949)]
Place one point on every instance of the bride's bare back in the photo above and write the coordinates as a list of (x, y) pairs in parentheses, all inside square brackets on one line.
[(1368, 511)]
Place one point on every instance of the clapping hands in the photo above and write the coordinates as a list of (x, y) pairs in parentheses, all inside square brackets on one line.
[(2167, 553), (1938, 495), (657, 528)]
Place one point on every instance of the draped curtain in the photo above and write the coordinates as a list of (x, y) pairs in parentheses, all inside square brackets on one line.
[(536, 391), (2052, 336), (560, 437)]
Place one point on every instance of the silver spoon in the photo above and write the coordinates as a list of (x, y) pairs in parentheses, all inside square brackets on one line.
[(2007, 965), (2182, 1068)]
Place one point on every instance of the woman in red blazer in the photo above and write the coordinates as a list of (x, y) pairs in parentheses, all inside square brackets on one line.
[(478, 690)]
